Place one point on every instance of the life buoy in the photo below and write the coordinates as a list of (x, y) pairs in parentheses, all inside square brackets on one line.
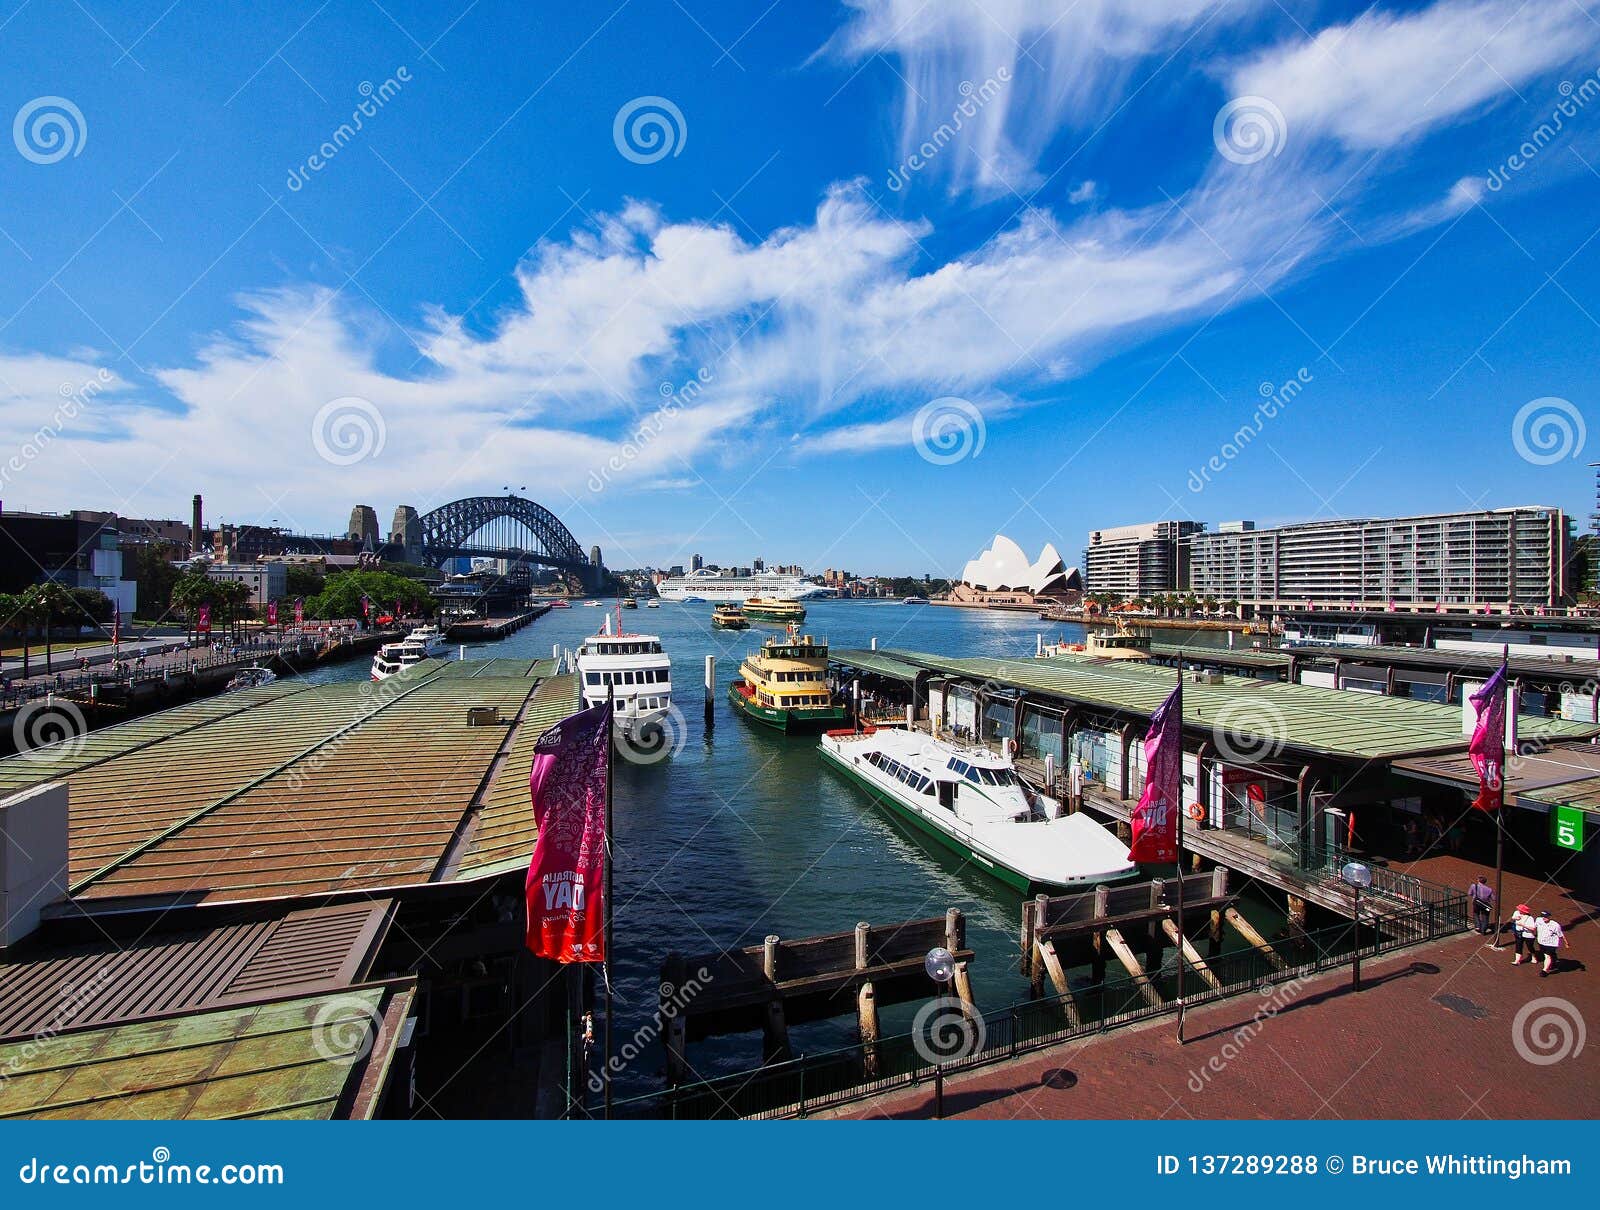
[(1197, 812)]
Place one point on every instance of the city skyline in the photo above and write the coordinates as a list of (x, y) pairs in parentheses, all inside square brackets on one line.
[(1065, 271)]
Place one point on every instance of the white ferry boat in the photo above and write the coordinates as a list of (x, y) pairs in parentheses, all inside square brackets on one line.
[(707, 585), (395, 658), (632, 665), (431, 638), (971, 801)]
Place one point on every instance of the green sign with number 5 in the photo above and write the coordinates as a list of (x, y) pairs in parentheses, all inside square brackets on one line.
[(1566, 827)]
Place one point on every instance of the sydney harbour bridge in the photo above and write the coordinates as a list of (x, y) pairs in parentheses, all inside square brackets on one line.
[(508, 527)]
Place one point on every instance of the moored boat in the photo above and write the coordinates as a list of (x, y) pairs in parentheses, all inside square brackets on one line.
[(252, 677), (631, 667), (784, 685), (774, 609), (394, 659), (971, 802), (729, 617), (431, 638)]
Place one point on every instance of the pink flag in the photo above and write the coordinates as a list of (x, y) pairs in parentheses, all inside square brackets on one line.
[(1155, 819), (1488, 746), (272, 613), (566, 880), (202, 623)]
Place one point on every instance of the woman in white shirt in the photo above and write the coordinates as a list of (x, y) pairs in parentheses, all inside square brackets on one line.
[(1551, 938), (1522, 930)]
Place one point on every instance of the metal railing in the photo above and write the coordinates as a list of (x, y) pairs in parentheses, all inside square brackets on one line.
[(812, 1083)]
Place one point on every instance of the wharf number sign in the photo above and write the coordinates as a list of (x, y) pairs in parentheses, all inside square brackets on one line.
[(1566, 827)]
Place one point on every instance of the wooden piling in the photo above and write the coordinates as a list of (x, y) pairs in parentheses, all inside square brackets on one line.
[(675, 969), (1193, 955), (1248, 932), (866, 1005), (1130, 962), (1051, 963)]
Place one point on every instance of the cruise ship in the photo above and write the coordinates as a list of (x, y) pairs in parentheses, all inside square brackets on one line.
[(707, 585)]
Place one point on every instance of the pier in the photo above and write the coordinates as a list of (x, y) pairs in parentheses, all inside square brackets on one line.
[(480, 630)]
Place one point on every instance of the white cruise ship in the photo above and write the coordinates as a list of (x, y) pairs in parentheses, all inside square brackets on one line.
[(707, 585)]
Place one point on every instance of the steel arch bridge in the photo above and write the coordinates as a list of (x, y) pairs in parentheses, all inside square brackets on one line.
[(505, 527)]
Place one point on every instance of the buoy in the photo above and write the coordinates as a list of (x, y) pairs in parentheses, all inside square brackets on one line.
[(1196, 812)]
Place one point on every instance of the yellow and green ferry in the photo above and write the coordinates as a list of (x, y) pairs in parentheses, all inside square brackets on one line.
[(729, 617), (774, 609), (784, 685)]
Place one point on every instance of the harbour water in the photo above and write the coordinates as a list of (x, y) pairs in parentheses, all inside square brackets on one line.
[(743, 832)]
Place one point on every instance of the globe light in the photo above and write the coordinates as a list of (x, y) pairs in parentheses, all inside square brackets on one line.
[(1355, 874), (940, 964)]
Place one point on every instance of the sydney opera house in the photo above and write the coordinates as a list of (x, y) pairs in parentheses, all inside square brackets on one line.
[(1003, 575)]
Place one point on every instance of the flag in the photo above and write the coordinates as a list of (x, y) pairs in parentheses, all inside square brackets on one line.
[(566, 879), (116, 628), (202, 624), (1488, 746), (1155, 819), (272, 613), (299, 612), (366, 606)]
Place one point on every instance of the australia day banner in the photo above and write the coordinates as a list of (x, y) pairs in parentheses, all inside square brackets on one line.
[(1488, 746), (565, 887), (1155, 819)]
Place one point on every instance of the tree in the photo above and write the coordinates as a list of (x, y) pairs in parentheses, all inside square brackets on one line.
[(50, 602), (342, 597), (192, 590), (300, 580), (155, 575)]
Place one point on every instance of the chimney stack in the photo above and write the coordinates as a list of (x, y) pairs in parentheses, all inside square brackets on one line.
[(196, 536)]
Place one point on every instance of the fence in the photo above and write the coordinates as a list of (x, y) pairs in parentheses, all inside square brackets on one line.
[(811, 1083)]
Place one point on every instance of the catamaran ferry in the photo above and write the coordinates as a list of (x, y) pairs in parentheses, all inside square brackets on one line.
[(431, 638), (394, 659), (634, 666), (707, 585), (971, 801)]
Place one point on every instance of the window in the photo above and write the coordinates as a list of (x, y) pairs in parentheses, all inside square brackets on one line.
[(621, 705), (591, 678)]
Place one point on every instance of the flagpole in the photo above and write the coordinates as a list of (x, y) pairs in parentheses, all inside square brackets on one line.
[(1500, 814), (605, 966), (1178, 806)]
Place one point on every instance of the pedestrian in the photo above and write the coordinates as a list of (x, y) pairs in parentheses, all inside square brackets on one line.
[(1547, 930), (1482, 896), (1522, 930)]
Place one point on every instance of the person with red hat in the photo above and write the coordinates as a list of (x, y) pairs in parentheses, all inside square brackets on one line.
[(1522, 929)]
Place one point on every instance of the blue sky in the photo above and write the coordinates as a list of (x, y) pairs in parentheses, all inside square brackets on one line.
[(1143, 227)]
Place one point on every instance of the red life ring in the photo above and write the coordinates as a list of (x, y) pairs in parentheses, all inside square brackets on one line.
[(1197, 812)]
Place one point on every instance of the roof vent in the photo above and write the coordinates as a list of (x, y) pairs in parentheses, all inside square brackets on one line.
[(483, 716), (1204, 677)]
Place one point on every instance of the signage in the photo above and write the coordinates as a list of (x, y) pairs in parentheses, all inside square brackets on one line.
[(1566, 828)]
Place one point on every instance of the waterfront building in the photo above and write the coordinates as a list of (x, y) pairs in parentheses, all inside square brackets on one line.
[(1467, 561), (1139, 560), (71, 550), (268, 581)]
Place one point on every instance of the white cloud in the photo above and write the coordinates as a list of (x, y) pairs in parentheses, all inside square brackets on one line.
[(1086, 192), (1381, 80)]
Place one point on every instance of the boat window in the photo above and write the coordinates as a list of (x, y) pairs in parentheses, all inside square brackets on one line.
[(591, 678), (621, 705), (971, 775)]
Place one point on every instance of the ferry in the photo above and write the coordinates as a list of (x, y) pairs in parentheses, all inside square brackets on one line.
[(593, 604), (773, 609), (707, 585), (971, 801), (915, 601), (729, 617), (396, 658), (632, 665), (558, 603), (431, 637), (784, 685), (630, 602), (1118, 644), (653, 603)]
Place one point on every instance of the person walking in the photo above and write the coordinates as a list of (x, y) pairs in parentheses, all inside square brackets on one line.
[(1551, 938), (1482, 896), (1522, 931)]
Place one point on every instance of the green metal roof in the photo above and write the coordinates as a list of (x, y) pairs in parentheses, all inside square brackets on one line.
[(285, 1059), (1307, 718), (878, 662), (1241, 658)]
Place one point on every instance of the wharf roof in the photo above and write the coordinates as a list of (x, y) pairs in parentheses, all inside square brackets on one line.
[(1561, 775), (1306, 718), (294, 789), (1556, 666)]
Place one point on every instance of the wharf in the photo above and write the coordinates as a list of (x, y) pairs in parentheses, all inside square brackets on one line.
[(481, 630)]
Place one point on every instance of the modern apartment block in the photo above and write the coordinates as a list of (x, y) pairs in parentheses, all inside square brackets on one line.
[(1508, 556), (1139, 560)]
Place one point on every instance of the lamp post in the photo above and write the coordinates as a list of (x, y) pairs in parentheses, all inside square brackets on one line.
[(1356, 875), (940, 964)]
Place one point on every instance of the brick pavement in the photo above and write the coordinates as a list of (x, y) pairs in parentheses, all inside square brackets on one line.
[(1430, 1036)]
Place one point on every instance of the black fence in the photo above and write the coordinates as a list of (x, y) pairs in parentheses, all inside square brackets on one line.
[(947, 1039)]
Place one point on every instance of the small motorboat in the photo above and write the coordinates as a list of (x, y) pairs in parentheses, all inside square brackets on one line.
[(252, 677)]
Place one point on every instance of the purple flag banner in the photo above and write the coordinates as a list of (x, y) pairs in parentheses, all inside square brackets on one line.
[(1155, 819), (566, 879), (1488, 746)]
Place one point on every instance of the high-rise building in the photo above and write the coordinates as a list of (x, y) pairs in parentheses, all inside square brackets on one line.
[(1513, 556), (1139, 560), (696, 562)]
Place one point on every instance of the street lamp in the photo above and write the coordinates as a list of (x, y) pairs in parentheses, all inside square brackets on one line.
[(1356, 875)]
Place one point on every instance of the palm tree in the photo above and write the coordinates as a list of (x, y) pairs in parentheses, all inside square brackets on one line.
[(50, 603)]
